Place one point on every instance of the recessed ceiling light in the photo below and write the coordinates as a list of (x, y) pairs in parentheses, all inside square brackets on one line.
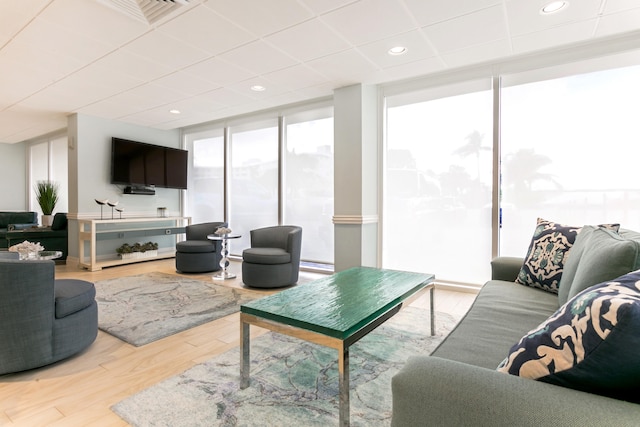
[(258, 88), (553, 7), (174, 111), (398, 50)]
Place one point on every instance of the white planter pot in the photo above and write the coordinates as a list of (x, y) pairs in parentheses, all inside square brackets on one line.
[(47, 220), (138, 255)]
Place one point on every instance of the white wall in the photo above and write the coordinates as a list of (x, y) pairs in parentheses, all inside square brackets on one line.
[(90, 173), (13, 178)]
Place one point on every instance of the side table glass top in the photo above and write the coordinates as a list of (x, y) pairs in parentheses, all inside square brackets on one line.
[(342, 303)]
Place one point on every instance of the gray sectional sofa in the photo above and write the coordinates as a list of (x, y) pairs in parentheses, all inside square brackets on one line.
[(459, 384)]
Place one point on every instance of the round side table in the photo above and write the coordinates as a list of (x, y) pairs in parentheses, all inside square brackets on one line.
[(224, 252)]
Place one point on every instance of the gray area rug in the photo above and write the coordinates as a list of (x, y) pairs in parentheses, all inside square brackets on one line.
[(145, 308), (293, 383)]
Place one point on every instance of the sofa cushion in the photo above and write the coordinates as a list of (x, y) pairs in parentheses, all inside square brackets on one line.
[(73, 295), (266, 256), (546, 255), (590, 344), (598, 255), (500, 315), (196, 246), (59, 221)]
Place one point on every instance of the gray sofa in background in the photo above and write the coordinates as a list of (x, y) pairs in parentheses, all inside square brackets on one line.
[(42, 320), (458, 384), (17, 221)]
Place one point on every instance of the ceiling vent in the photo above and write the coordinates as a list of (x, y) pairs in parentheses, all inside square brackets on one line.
[(147, 11)]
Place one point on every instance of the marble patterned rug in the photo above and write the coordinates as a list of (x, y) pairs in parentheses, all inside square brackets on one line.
[(147, 307), (293, 382)]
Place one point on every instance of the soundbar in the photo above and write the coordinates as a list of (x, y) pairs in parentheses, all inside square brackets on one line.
[(140, 190)]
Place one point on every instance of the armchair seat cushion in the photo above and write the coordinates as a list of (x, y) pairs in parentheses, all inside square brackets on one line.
[(266, 256), (72, 295), (195, 246)]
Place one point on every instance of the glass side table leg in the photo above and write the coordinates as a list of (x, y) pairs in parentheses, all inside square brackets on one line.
[(224, 262), (244, 354)]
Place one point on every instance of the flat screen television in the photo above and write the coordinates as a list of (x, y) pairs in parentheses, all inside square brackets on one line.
[(139, 164)]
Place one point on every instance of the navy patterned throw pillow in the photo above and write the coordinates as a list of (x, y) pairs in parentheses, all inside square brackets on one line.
[(591, 343), (546, 255)]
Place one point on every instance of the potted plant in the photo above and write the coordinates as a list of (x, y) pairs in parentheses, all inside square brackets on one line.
[(47, 197), (138, 250)]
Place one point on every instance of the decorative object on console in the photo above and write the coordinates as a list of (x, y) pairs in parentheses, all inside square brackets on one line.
[(162, 212), (47, 197), (589, 344), (113, 205), (120, 210), (101, 203)]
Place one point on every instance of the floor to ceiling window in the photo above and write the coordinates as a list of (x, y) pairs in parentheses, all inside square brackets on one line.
[(48, 162), (253, 183), (569, 153), (205, 198), (308, 181), (438, 175)]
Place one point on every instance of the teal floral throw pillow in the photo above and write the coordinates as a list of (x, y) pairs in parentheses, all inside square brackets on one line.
[(592, 343), (546, 255)]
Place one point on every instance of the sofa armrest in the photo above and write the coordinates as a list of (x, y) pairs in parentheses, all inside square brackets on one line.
[(506, 268), (433, 391)]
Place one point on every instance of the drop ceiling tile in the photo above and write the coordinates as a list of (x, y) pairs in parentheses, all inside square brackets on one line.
[(14, 15), (261, 17), (227, 97), (613, 6), (296, 77), (133, 65), (554, 37), (96, 21), (431, 12), (58, 40), (344, 68), (309, 40), (478, 53), (186, 83), (207, 30), (369, 20), (258, 57), (417, 48), (166, 50), (411, 69), (614, 23), (469, 30), (525, 17), (323, 6), (218, 71)]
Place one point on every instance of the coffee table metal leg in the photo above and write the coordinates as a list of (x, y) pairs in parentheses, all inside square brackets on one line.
[(343, 384), (244, 354), (433, 310)]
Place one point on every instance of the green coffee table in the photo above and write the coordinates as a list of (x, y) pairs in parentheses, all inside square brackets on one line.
[(335, 311)]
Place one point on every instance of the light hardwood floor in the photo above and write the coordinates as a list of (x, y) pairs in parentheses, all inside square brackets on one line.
[(79, 391)]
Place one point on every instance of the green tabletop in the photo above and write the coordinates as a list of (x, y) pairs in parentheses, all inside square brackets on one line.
[(341, 304)]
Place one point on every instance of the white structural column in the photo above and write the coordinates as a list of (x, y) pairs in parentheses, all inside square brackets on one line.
[(356, 177)]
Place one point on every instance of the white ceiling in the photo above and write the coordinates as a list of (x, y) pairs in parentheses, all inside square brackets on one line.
[(59, 57)]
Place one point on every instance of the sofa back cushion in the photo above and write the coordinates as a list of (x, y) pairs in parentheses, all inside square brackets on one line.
[(59, 221), (7, 218), (591, 343), (598, 255)]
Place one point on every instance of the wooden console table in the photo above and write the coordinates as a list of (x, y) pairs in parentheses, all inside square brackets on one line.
[(92, 231)]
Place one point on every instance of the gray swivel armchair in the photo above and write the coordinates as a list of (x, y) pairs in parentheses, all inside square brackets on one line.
[(197, 254), (42, 320), (273, 260)]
